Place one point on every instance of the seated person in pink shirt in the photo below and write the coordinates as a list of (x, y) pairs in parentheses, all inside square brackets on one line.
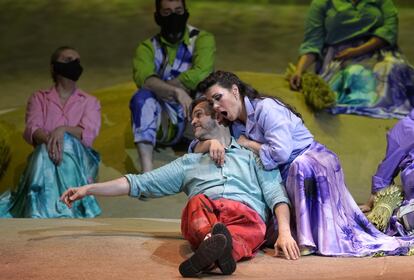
[(61, 124)]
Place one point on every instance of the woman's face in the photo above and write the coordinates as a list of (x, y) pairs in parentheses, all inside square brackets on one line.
[(226, 102)]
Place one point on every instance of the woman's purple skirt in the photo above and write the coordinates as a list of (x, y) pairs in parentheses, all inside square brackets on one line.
[(327, 219)]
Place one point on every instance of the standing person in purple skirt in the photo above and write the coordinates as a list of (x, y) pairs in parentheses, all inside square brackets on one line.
[(399, 158), (328, 221)]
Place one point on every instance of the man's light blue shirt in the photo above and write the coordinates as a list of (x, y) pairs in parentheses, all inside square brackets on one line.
[(241, 179)]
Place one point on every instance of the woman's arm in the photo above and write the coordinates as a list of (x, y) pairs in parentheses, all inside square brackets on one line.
[(213, 147), (55, 141), (90, 122), (249, 144), (372, 44), (275, 121), (40, 137), (384, 35), (34, 133), (303, 64), (313, 42)]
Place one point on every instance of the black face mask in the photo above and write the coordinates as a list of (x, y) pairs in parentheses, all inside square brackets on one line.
[(172, 26), (71, 70)]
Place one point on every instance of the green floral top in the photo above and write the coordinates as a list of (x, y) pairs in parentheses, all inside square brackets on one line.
[(331, 22)]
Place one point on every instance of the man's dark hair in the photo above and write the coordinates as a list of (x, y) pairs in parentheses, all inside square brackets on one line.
[(207, 107), (158, 4)]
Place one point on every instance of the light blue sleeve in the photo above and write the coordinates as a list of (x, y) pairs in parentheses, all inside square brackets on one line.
[(163, 181), (270, 182), (275, 122)]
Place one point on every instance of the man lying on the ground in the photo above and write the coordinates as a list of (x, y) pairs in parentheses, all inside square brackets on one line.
[(224, 219)]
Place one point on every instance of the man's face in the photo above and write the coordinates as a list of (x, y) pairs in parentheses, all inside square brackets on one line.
[(203, 124), (171, 6)]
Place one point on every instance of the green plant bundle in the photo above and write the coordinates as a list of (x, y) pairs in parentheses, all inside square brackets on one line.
[(385, 202), (5, 152), (318, 95)]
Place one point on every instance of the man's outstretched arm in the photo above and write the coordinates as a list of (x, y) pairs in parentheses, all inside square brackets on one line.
[(276, 198), (285, 241), (115, 187)]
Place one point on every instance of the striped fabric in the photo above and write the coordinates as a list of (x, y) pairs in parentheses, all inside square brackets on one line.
[(182, 60)]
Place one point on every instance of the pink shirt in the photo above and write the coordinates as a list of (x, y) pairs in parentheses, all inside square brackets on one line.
[(44, 110)]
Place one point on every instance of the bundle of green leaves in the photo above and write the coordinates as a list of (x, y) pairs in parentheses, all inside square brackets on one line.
[(318, 95), (385, 202)]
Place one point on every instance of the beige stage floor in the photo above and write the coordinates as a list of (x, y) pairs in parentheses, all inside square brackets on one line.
[(152, 249), (117, 246)]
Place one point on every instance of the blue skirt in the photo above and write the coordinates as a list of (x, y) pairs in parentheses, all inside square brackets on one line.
[(42, 184), (378, 84)]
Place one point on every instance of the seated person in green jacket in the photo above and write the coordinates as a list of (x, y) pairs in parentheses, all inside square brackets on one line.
[(354, 45), (224, 220), (166, 69)]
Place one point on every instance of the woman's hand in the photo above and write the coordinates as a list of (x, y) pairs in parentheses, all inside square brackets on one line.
[(249, 144), (373, 44), (367, 207), (286, 244), (217, 152), (55, 145), (303, 64), (244, 141), (347, 54), (295, 80)]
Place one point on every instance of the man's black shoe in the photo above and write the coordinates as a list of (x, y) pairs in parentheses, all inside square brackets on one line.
[(206, 254), (225, 262)]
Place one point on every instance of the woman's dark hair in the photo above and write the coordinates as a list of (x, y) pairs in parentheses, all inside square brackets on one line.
[(158, 4), (228, 79), (55, 55)]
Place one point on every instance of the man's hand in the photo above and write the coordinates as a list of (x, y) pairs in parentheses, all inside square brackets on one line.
[(184, 99), (176, 83), (55, 145), (286, 244), (73, 194)]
